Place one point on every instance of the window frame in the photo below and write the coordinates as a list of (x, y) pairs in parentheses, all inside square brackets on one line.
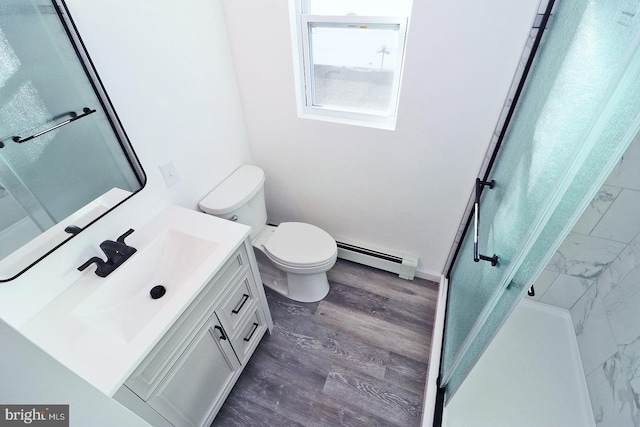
[(301, 27)]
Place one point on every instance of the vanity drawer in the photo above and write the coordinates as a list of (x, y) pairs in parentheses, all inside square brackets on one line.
[(233, 266), (160, 359), (248, 334), (238, 304)]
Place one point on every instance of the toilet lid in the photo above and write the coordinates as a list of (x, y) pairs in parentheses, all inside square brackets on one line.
[(300, 244)]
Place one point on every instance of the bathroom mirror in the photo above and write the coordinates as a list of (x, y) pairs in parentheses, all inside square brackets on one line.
[(65, 160)]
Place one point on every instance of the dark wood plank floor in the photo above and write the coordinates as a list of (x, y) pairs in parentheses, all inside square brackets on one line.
[(357, 358)]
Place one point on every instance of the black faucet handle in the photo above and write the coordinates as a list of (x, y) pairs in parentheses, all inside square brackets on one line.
[(72, 229), (98, 261), (125, 235), (116, 252)]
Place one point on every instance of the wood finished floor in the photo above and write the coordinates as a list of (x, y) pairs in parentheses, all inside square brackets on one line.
[(357, 358)]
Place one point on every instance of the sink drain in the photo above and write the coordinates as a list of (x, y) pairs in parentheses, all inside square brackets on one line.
[(158, 291)]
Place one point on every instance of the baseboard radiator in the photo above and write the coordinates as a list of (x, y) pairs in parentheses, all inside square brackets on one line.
[(400, 263)]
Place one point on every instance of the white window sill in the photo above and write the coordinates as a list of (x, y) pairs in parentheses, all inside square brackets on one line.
[(334, 116)]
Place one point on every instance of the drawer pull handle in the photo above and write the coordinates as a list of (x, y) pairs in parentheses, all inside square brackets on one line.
[(223, 336), (253, 331), (236, 310)]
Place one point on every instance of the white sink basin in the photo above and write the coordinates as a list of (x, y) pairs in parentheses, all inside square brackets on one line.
[(122, 304)]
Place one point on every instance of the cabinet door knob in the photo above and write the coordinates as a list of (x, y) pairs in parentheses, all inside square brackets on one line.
[(223, 336)]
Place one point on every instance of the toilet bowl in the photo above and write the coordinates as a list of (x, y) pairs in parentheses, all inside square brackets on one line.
[(294, 257), (303, 252)]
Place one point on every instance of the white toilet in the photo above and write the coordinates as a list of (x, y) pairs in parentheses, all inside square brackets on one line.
[(293, 257)]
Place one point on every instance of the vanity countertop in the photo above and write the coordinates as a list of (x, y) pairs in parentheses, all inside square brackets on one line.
[(84, 327)]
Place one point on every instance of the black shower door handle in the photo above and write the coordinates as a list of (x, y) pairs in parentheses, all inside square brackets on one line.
[(476, 219)]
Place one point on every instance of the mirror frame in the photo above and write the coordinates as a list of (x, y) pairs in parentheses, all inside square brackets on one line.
[(82, 54)]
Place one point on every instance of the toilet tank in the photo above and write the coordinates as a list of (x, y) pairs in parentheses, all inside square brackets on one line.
[(241, 195)]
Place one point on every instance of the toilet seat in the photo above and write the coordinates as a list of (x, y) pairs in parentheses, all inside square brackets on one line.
[(301, 245)]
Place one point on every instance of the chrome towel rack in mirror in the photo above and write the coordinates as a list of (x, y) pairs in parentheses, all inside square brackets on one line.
[(476, 256), (74, 116)]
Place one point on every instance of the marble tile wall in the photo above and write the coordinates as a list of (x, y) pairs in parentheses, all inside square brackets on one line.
[(595, 274)]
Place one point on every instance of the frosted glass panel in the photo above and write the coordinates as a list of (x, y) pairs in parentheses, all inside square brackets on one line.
[(575, 117)]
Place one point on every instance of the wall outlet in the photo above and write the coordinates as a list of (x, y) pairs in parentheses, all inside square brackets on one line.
[(169, 173)]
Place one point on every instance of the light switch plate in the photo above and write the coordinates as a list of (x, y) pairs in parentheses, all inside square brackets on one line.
[(169, 173)]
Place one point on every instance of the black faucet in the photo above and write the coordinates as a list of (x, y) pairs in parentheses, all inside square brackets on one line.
[(72, 229), (117, 253)]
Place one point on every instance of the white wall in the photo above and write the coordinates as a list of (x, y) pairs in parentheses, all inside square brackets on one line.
[(168, 70), (406, 189)]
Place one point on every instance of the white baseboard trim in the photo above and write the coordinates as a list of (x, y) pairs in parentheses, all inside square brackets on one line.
[(385, 259), (429, 275), (431, 386)]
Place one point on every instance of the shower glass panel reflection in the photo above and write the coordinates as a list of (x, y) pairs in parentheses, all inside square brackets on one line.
[(577, 113), (42, 84)]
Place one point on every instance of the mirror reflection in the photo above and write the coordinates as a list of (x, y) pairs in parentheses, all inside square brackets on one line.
[(64, 158)]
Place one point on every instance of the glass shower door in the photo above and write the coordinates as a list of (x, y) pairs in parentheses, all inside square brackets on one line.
[(577, 113)]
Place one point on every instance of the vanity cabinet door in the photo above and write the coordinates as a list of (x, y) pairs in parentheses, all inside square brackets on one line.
[(191, 391)]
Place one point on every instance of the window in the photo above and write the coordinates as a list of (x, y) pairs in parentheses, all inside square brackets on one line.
[(348, 66)]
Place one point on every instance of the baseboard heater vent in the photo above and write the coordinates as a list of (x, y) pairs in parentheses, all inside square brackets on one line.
[(403, 264)]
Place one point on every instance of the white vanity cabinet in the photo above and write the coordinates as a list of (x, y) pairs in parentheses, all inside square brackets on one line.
[(185, 378)]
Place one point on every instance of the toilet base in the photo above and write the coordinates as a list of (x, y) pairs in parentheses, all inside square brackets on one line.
[(307, 287), (298, 287)]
